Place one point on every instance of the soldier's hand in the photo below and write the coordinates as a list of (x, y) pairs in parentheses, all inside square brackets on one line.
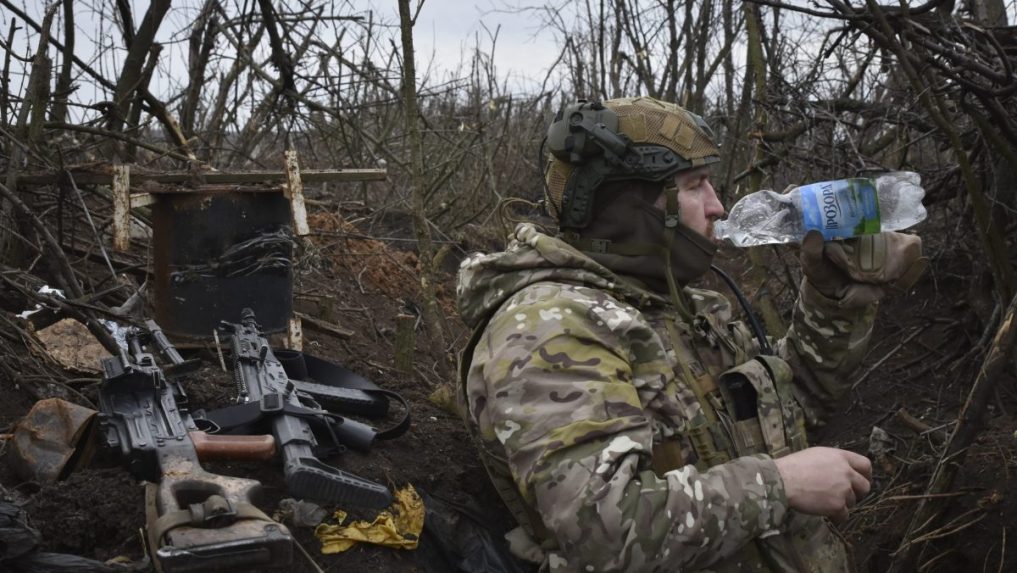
[(825, 481), (859, 271)]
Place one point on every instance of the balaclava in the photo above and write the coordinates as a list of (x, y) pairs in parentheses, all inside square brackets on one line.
[(625, 215)]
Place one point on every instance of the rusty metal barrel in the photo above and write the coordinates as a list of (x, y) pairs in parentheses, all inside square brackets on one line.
[(215, 254)]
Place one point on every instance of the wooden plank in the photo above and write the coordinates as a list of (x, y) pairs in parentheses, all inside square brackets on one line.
[(141, 200), (121, 187), (271, 178), (294, 191), (295, 334)]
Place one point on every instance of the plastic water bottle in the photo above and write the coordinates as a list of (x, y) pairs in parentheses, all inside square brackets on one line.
[(839, 209)]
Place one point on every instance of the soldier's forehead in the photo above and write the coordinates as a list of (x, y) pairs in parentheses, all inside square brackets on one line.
[(692, 174)]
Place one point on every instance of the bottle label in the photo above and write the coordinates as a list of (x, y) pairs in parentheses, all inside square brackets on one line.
[(841, 209)]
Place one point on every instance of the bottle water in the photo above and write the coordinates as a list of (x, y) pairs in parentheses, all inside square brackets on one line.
[(839, 209)]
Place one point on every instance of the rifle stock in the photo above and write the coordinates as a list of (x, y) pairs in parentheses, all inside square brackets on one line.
[(196, 520)]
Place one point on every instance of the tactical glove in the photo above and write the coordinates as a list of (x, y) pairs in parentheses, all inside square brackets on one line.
[(857, 272)]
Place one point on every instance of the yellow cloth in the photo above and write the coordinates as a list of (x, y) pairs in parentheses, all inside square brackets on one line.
[(399, 526)]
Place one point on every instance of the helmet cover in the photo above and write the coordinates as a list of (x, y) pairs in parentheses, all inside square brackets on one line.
[(628, 138)]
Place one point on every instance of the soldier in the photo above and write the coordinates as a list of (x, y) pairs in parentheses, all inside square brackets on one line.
[(626, 419)]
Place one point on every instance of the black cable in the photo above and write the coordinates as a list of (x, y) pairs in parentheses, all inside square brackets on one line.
[(540, 164), (764, 344)]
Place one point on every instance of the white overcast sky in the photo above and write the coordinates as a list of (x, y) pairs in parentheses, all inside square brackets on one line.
[(446, 30), (451, 28)]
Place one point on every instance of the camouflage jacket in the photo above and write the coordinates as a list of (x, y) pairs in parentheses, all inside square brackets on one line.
[(611, 427)]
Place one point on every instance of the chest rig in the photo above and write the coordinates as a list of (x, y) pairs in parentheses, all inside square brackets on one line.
[(736, 401), (734, 411)]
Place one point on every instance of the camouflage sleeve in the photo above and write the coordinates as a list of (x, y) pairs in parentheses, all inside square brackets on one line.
[(564, 400), (824, 345)]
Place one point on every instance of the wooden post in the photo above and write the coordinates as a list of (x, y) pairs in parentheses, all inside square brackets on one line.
[(405, 342), (294, 191), (121, 188), (295, 335)]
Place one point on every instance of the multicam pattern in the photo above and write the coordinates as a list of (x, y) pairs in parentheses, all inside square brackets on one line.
[(580, 380)]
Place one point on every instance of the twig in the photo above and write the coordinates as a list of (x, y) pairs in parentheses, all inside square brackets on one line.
[(918, 330), (69, 281), (359, 283), (928, 564), (48, 389), (983, 340), (68, 179), (946, 531), (157, 107), (924, 358), (218, 349), (117, 135), (923, 496), (1002, 553), (324, 326), (919, 426), (308, 556)]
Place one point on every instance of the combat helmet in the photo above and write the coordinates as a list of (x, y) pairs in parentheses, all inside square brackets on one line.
[(592, 143)]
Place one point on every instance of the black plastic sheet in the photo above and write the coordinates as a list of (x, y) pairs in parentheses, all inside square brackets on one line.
[(457, 539)]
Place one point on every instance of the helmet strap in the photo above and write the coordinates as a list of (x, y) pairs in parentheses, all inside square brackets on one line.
[(672, 217)]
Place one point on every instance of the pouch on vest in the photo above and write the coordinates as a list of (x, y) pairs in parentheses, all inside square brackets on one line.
[(758, 398), (794, 416)]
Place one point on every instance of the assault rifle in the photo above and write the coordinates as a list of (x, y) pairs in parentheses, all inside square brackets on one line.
[(272, 398), (196, 520)]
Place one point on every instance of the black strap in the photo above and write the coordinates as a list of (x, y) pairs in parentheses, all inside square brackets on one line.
[(331, 374), (327, 373), (402, 425)]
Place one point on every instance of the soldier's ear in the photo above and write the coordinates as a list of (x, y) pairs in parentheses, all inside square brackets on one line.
[(661, 201)]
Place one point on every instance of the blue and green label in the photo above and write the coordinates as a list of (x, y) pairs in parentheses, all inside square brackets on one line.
[(841, 209)]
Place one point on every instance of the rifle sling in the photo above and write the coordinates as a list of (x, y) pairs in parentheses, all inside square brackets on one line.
[(173, 519), (329, 373), (400, 427)]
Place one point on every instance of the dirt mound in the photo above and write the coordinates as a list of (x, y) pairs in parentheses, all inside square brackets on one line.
[(395, 273)]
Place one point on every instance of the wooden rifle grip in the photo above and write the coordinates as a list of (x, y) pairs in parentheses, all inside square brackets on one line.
[(233, 448)]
